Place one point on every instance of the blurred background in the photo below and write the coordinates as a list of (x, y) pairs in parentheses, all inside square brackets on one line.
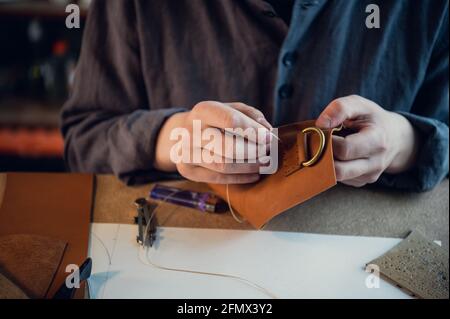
[(37, 62)]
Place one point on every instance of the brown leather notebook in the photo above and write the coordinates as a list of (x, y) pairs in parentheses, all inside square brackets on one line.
[(52, 205)]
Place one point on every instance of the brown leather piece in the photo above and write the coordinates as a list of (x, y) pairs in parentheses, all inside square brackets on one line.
[(31, 261), (50, 205), (292, 184), (8, 290)]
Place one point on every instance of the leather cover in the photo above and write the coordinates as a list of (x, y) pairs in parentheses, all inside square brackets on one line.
[(50, 205), (31, 261), (292, 184)]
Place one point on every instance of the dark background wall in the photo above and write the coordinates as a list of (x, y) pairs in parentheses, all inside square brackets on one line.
[(37, 61)]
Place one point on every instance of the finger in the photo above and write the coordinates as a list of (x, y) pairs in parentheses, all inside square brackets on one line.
[(359, 145), (219, 164), (252, 112), (223, 116), (231, 146), (351, 169), (365, 179), (353, 183), (204, 175), (342, 109)]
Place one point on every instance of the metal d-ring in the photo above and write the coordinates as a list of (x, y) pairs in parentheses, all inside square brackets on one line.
[(316, 156)]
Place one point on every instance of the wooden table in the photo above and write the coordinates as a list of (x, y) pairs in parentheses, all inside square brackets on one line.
[(342, 210)]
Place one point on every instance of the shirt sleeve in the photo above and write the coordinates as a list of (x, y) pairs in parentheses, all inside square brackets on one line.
[(107, 123), (429, 115)]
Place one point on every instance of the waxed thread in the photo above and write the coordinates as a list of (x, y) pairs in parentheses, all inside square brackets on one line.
[(240, 221), (230, 208), (143, 252), (104, 246), (147, 261)]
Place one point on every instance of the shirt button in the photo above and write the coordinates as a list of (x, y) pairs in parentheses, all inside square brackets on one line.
[(307, 4), (289, 59), (285, 91), (269, 14)]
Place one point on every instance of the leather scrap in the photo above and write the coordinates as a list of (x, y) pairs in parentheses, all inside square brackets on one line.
[(418, 266), (51, 205), (8, 290), (31, 261)]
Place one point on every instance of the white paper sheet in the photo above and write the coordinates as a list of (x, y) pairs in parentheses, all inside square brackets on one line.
[(290, 265)]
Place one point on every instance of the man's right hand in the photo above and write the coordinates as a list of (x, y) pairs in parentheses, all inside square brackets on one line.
[(221, 116)]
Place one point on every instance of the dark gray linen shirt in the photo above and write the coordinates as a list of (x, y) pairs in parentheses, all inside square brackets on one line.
[(143, 61)]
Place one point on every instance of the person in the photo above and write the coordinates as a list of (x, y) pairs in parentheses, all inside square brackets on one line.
[(148, 67)]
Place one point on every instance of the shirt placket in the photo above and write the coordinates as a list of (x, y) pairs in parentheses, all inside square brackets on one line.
[(304, 12)]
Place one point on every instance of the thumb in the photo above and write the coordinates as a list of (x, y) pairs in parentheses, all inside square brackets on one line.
[(340, 110)]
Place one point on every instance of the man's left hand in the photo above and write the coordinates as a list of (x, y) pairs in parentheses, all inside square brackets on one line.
[(383, 141)]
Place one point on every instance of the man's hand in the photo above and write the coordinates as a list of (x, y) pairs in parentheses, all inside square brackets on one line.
[(384, 141), (219, 116)]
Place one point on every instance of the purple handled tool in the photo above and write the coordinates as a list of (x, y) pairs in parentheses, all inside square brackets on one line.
[(203, 201)]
